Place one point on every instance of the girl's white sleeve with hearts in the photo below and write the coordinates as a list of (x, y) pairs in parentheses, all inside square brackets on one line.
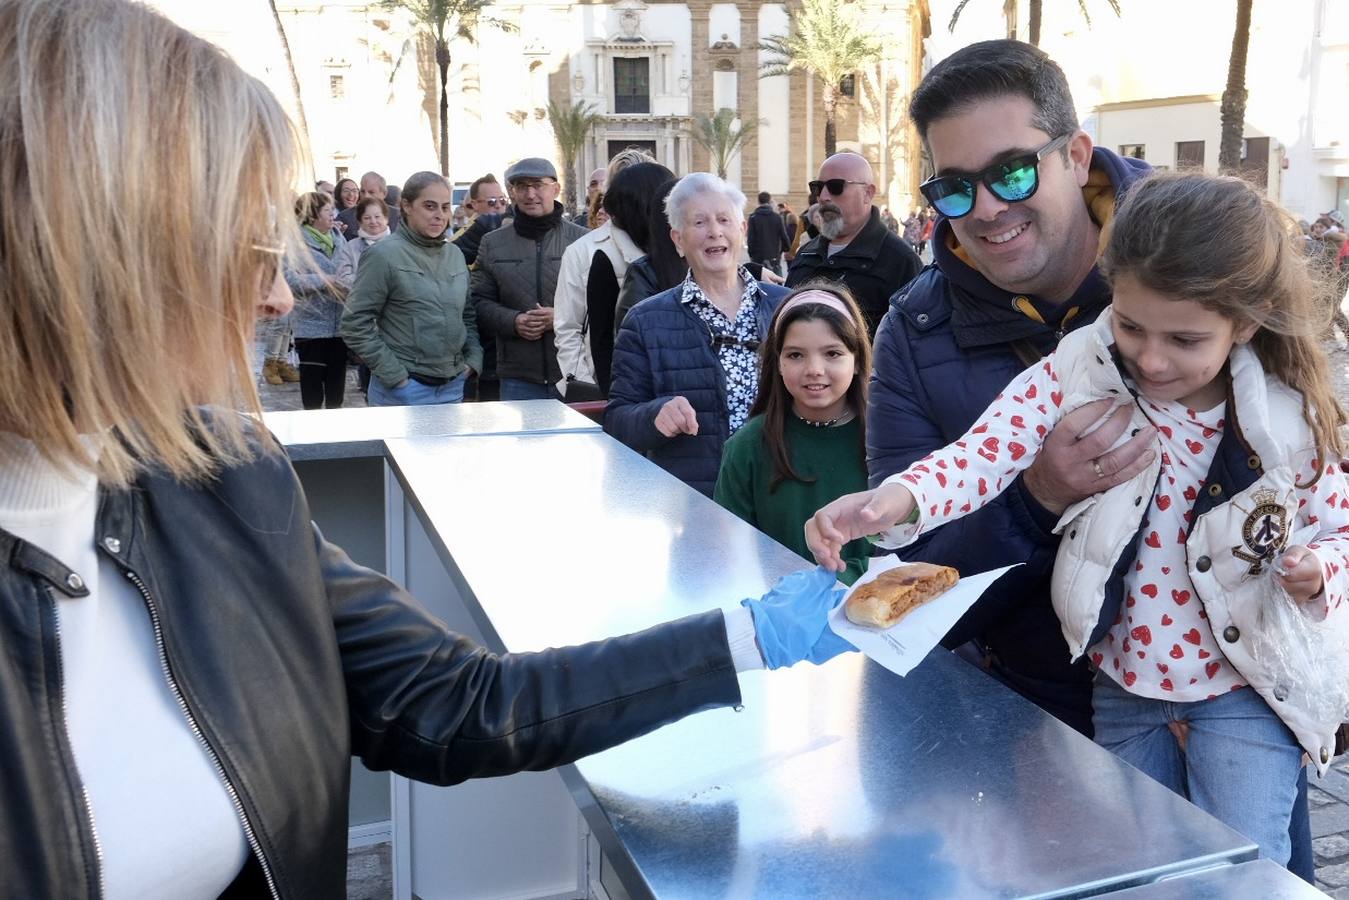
[(1327, 507), (968, 474)]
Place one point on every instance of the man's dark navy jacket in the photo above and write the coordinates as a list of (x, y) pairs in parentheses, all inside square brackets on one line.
[(949, 344)]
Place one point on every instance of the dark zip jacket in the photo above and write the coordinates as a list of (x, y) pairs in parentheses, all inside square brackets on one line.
[(950, 343), (514, 274), (874, 265), (664, 351), (289, 659)]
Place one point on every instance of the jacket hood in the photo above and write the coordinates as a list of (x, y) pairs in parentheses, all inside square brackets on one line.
[(984, 313)]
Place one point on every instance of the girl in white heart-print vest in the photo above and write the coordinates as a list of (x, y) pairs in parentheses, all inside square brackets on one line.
[(1162, 580)]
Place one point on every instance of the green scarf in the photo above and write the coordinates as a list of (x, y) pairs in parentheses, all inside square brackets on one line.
[(325, 240)]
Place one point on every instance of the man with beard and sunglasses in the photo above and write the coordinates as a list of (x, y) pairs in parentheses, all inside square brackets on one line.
[(854, 246), (1023, 198)]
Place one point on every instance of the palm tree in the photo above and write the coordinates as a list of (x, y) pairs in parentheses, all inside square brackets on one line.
[(1233, 107), (718, 135), (1033, 23), (444, 20), (571, 125), (827, 39), (294, 83)]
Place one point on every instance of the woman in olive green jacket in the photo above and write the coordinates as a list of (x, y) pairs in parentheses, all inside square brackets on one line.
[(408, 315)]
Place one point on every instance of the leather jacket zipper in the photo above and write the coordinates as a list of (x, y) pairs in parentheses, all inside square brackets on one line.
[(249, 834), (65, 728)]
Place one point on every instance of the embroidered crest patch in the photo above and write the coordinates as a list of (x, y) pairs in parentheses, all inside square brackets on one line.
[(1264, 533)]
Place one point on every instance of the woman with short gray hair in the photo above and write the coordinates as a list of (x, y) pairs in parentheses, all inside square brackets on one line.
[(686, 368)]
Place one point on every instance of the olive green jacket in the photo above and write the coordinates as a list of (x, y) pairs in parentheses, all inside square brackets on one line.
[(408, 310)]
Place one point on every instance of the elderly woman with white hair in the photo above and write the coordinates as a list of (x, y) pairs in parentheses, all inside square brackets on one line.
[(686, 361)]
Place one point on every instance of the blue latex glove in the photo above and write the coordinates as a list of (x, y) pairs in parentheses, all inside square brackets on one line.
[(791, 620)]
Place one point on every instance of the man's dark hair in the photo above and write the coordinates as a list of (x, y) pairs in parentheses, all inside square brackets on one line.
[(765, 197), (489, 178), (995, 69)]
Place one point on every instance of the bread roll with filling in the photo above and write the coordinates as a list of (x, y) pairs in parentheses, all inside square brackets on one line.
[(893, 594)]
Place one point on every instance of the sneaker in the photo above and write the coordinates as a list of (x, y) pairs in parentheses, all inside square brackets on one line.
[(271, 372), (287, 371)]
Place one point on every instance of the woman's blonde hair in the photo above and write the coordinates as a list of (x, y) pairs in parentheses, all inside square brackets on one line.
[(128, 320), (1218, 241)]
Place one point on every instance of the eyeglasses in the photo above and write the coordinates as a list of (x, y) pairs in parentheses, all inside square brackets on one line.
[(1011, 181), (533, 184), (496, 201), (836, 186)]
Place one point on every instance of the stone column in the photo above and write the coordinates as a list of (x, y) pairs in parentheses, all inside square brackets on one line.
[(701, 85), (747, 87)]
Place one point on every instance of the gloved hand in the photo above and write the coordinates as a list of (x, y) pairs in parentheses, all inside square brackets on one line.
[(791, 620)]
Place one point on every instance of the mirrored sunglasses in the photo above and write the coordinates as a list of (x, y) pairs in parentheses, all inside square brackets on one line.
[(1011, 181)]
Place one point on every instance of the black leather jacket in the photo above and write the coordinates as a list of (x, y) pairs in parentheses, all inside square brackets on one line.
[(874, 265), (288, 658)]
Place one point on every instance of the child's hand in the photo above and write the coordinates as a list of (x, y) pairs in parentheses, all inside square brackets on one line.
[(1299, 574), (853, 516)]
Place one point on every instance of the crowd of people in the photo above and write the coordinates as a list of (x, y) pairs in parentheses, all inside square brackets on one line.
[(1112, 378), (780, 363)]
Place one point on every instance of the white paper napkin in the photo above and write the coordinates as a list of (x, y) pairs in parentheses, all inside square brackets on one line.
[(904, 645)]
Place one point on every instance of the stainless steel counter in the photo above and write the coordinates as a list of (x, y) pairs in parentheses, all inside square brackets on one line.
[(1257, 880), (832, 781), (354, 433)]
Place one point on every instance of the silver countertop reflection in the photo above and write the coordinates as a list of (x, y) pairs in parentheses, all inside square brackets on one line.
[(835, 781), (1257, 880), (346, 433)]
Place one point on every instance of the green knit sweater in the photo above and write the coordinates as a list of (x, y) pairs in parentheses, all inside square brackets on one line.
[(832, 456)]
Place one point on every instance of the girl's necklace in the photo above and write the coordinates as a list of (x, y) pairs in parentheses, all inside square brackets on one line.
[(841, 419)]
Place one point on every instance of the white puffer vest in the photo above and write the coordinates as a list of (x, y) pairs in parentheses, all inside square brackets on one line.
[(1097, 531)]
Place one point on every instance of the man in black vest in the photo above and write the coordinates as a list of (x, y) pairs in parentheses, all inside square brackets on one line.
[(854, 245)]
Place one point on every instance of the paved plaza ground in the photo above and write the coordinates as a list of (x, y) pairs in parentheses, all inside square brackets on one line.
[(369, 868)]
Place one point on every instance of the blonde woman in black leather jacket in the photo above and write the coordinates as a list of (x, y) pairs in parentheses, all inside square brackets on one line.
[(187, 665)]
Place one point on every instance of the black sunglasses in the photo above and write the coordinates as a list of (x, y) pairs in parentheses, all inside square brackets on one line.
[(836, 186), (1011, 181)]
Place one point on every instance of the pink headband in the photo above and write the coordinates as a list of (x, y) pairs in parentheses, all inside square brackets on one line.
[(824, 298)]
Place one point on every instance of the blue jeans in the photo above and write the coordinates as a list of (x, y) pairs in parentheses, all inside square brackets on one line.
[(515, 389), (1241, 763), (414, 393)]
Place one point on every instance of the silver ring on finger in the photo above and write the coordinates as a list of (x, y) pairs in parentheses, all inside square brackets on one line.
[(1096, 467)]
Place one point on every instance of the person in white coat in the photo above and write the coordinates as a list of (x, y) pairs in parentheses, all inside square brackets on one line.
[(569, 301)]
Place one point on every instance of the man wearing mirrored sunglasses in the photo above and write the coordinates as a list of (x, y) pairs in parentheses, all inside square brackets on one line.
[(854, 246), (1023, 197)]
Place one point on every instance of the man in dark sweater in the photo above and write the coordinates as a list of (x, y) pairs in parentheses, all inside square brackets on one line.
[(854, 245), (515, 278), (767, 237)]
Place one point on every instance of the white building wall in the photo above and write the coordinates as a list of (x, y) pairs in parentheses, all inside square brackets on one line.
[(775, 111), (1158, 128), (723, 19)]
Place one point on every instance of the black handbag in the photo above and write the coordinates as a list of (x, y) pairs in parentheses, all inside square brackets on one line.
[(582, 391)]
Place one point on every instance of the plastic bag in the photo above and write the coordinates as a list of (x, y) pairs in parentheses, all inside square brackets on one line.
[(1307, 659)]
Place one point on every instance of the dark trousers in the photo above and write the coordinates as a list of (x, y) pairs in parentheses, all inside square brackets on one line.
[(323, 371)]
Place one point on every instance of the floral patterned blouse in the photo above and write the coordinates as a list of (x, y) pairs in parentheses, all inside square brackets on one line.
[(736, 343)]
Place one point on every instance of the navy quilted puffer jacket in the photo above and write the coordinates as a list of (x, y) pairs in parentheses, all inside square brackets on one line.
[(948, 345), (663, 351)]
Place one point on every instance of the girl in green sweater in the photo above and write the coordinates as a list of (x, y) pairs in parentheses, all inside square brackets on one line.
[(805, 444)]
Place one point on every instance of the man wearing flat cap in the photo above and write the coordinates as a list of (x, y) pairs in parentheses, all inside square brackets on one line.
[(516, 277)]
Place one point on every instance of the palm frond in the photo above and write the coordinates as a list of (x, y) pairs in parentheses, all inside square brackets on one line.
[(955, 15), (825, 37), (719, 135)]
